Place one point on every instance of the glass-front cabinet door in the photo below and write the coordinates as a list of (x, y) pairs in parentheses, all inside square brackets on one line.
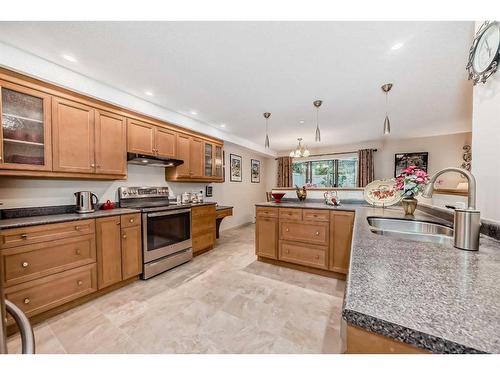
[(25, 141), (218, 162), (208, 159)]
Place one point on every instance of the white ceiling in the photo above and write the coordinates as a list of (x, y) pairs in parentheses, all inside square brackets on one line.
[(232, 72)]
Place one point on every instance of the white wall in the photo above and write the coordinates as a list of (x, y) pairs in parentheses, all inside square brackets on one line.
[(444, 151), (486, 146), (26, 192)]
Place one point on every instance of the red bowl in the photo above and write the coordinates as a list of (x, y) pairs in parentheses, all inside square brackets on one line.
[(277, 197)]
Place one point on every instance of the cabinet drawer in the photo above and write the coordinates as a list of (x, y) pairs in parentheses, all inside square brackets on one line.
[(316, 215), (291, 213), (304, 231), (207, 210), (48, 232), (266, 212), (130, 220), (203, 241), (48, 292), (24, 263), (304, 254)]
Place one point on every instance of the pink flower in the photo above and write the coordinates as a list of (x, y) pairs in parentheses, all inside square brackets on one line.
[(419, 180), (420, 173)]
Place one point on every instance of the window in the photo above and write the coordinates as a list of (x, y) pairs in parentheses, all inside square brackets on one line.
[(324, 173)]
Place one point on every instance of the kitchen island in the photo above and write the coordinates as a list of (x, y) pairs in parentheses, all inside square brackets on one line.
[(432, 297)]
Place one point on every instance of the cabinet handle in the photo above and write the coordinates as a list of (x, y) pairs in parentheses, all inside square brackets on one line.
[(24, 236), (26, 301), (79, 283), (77, 252), (118, 223), (25, 264), (124, 236)]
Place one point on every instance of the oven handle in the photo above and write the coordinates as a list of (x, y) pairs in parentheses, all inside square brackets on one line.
[(166, 213)]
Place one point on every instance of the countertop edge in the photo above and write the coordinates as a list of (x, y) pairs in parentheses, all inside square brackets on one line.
[(434, 344)]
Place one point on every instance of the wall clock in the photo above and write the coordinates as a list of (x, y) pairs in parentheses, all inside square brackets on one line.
[(484, 54)]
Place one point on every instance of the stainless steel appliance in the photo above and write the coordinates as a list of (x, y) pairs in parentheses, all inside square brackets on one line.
[(166, 229), (152, 161), (27, 336), (85, 201)]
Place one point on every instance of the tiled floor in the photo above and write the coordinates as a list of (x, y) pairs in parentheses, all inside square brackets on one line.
[(224, 301)]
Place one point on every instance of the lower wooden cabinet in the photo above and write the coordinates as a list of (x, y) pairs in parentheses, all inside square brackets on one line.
[(109, 251), (119, 250), (266, 237), (341, 224), (304, 254), (131, 252), (203, 228), (40, 295)]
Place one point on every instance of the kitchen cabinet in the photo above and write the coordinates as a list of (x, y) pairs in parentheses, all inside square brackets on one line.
[(131, 255), (110, 143), (212, 161), (73, 136), (341, 225), (208, 149), (218, 163), (192, 151), (311, 240), (109, 253), (266, 233), (140, 137), (165, 141), (203, 228), (25, 133)]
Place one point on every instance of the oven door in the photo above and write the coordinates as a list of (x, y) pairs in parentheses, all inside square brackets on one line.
[(165, 233)]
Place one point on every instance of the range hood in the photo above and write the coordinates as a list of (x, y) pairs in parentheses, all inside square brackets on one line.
[(152, 161)]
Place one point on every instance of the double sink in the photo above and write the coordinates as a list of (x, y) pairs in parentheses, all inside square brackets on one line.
[(415, 230)]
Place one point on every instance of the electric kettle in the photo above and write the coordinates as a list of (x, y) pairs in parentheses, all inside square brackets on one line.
[(85, 202)]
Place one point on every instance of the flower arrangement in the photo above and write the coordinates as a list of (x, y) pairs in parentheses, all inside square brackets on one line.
[(411, 181)]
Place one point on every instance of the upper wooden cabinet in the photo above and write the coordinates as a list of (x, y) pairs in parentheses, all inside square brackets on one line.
[(73, 136), (202, 160), (141, 137), (25, 141), (110, 143), (148, 139)]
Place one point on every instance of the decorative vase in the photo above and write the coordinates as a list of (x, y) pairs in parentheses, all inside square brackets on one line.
[(301, 193), (409, 205)]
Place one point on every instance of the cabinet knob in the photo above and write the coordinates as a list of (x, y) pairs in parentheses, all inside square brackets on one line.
[(118, 223), (287, 230), (77, 227), (77, 252), (317, 233), (25, 264), (26, 301), (131, 220), (288, 251), (124, 236), (92, 165), (317, 256), (24, 236), (79, 283)]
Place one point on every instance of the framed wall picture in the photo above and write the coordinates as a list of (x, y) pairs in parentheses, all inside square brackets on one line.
[(404, 160), (255, 170), (235, 172)]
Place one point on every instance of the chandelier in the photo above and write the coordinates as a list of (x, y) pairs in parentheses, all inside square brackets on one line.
[(301, 151)]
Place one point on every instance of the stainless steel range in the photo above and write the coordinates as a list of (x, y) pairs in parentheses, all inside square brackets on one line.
[(166, 229)]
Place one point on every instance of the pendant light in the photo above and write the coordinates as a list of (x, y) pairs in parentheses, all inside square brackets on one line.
[(300, 151), (266, 116), (317, 104), (387, 123)]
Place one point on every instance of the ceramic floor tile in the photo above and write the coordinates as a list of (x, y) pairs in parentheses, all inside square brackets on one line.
[(224, 301)]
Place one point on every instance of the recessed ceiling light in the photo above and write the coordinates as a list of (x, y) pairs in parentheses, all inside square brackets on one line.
[(222, 125), (148, 93), (397, 46), (194, 113), (301, 122), (69, 58)]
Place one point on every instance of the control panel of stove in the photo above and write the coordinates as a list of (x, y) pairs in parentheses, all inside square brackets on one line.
[(128, 192)]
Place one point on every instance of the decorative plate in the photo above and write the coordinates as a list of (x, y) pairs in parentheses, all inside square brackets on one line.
[(381, 193)]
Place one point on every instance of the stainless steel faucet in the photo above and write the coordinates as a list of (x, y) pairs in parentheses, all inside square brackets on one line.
[(467, 221)]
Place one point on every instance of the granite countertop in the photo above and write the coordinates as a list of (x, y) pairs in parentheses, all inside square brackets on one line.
[(26, 221), (432, 296)]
